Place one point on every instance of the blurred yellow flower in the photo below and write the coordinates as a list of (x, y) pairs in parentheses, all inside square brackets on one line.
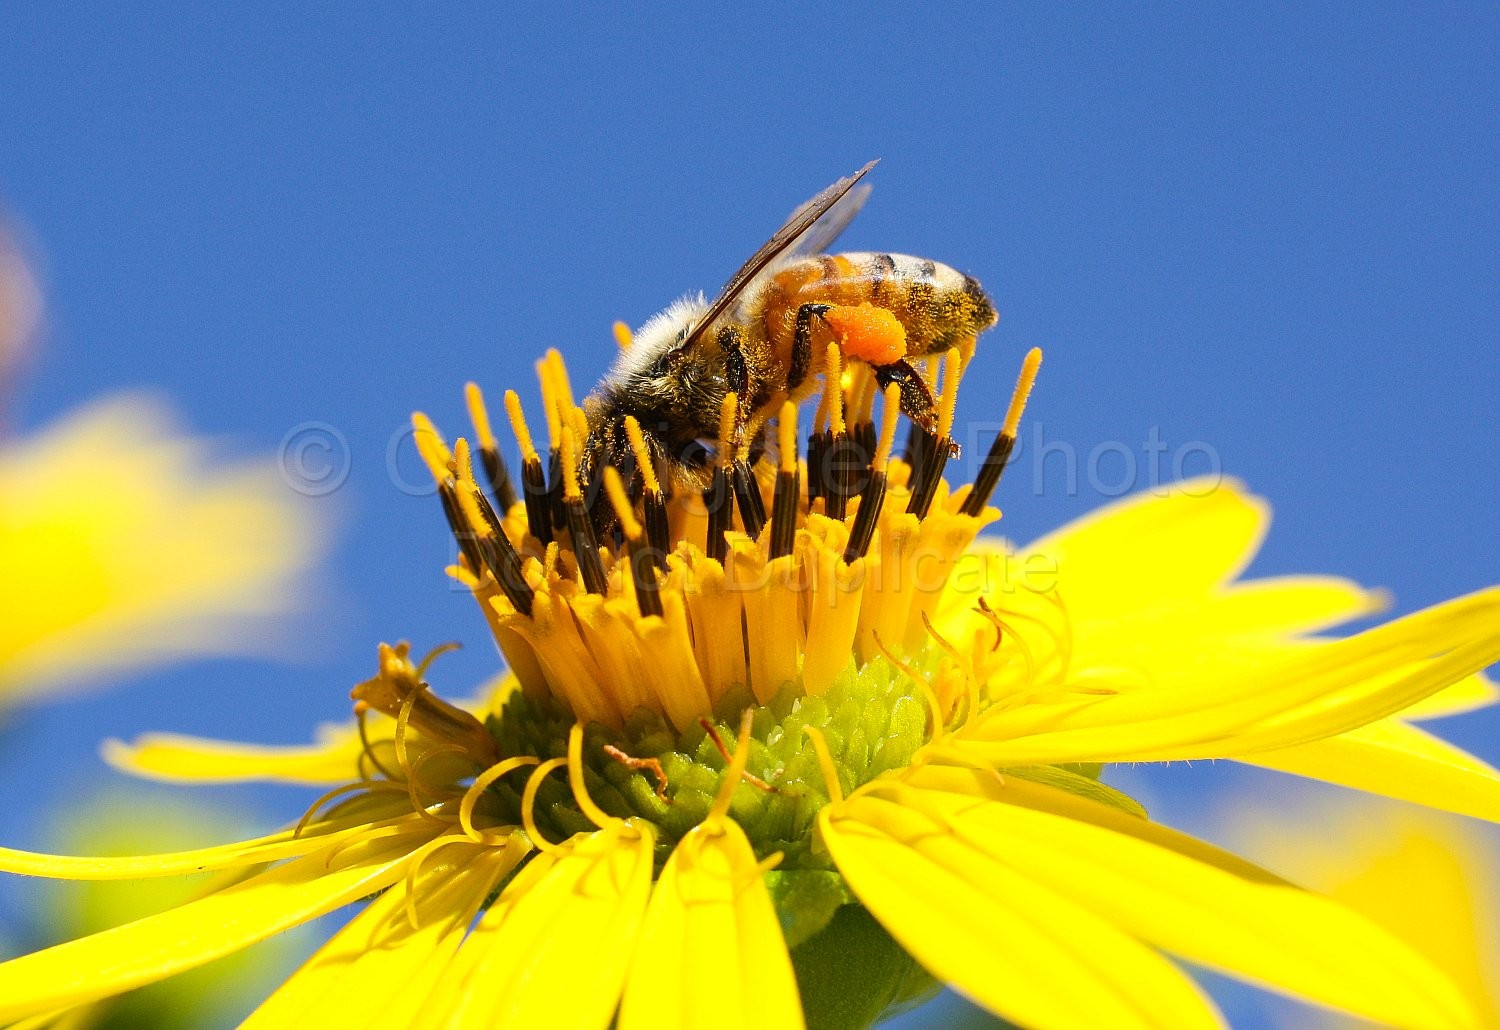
[(124, 542), (728, 765), (1431, 879)]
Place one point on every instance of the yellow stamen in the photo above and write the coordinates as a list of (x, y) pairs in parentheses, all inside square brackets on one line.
[(592, 812), (431, 446), (580, 422), (971, 684), (949, 400), (571, 491), (888, 416), (561, 378), (528, 803), (1024, 383), (519, 427), (934, 706), (467, 490), (414, 866), (614, 487), (820, 416), (340, 791), (441, 649), (361, 711), (786, 437), (476, 790), (966, 349), (832, 389), (728, 412), (720, 808), (415, 786), (825, 761), (623, 336), (480, 416), (551, 402), (642, 454)]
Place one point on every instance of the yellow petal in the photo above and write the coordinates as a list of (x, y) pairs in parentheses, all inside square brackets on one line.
[(333, 757), (1268, 932), (1317, 692), (379, 968), (179, 759), (156, 947), (554, 948), (1126, 557), (270, 848), (1017, 947), (1399, 761), (1474, 692), (711, 953)]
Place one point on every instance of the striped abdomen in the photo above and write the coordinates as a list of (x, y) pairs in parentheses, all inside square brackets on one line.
[(939, 305)]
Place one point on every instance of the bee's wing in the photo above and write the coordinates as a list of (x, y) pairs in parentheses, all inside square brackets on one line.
[(810, 228), (831, 224)]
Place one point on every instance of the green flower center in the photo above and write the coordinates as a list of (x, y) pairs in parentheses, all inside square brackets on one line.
[(873, 718)]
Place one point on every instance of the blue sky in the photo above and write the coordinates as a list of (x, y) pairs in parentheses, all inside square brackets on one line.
[(1272, 233)]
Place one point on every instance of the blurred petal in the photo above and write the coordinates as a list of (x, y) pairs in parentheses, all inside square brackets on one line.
[(1467, 695), (1427, 878), (1399, 761), (156, 947), (123, 544), (180, 759)]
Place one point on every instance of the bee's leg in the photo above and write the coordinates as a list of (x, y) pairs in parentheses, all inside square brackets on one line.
[(917, 402), (802, 344), (736, 375)]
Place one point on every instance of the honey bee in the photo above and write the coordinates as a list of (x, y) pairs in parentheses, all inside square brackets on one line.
[(765, 337)]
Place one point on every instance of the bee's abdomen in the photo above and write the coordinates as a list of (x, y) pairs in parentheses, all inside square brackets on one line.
[(939, 305)]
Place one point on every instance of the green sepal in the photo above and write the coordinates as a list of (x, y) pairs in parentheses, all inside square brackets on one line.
[(806, 900), (853, 974)]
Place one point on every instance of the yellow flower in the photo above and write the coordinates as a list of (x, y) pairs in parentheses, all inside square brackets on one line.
[(123, 543), (718, 756)]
